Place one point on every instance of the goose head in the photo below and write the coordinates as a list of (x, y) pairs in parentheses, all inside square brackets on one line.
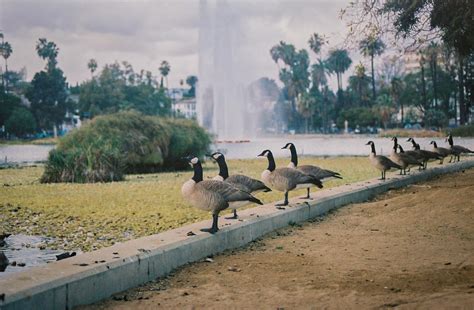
[(217, 156), (288, 146), (191, 159), (370, 143), (265, 153)]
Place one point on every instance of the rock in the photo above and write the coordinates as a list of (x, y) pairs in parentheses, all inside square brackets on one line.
[(209, 260), (2, 238), (233, 269), (3, 262), (13, 263), (190, 233), (65, 255), (21, 264)]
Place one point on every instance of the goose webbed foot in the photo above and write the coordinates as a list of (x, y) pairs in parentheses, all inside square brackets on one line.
[(285, 203), (233, 217), (214, 227)]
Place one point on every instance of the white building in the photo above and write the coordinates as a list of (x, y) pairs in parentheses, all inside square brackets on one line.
[(185, 107)]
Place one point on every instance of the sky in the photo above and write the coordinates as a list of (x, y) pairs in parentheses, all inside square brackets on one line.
[(145, 32)]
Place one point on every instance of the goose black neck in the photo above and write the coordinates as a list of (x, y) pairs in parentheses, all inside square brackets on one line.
[(223, 170), (417, 146), (413, 143), (197, 177), (401, 149), (435, 145), (373, 149), (294, 156), (271, 162), (395, 144), (450, 140)]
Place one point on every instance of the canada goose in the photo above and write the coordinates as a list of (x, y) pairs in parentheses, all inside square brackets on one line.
[(315, 171), (456, 150), (240, 181), (2, 238), (3, 262), (403, 159), (381, 162), (443, 152), (285, 179), (426, 155), (413, 154), (211, 195)]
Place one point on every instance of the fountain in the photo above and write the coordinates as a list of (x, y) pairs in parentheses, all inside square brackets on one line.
[(222, 107)]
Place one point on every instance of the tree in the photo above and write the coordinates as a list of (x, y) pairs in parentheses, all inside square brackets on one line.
[(5, 50), (48, 91), (338, 62), (370, 47), (192, 81), (315, 42), (359, 84), (20, 122), (165, 70), (396, 90), (92, 66), (47, 50)]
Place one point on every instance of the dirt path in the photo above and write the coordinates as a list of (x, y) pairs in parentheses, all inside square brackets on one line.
[(409, 248)]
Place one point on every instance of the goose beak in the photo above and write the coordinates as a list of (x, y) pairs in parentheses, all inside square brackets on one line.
[(368, 143)]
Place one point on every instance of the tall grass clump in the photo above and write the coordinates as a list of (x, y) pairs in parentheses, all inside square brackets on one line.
[(109, 146), (462, 131)]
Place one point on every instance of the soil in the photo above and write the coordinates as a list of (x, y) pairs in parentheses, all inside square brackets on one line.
[(409, 248)]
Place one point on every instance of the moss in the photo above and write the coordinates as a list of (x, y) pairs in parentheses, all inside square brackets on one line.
[(91, 216)]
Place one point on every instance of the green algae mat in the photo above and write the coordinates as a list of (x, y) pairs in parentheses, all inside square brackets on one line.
[(90, 216)]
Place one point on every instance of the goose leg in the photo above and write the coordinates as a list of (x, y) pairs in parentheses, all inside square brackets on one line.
[(234, 217), (307, 194), (214, 227), (285, 203)]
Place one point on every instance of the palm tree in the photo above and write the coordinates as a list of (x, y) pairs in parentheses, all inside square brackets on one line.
[(315, 42), (47, 51), (92, 65), (338, 62), (164, 70), (372, 46), (396, 90), (5, 50)]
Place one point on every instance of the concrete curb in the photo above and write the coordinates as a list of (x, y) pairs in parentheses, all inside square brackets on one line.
[(93, 276)]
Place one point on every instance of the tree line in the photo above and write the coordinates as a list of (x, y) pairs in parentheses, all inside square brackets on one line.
[(43, 104)]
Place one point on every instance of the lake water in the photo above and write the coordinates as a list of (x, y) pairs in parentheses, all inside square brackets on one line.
[(24, 249), (316, 145)]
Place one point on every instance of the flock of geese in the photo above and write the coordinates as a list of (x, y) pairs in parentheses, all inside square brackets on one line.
[(226, 191)]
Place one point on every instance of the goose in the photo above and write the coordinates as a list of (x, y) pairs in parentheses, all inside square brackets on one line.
[(381, 162), (285, 179), (212, 195), (240, 181), (322, 174), (443, 152), (403, 159), (456, 150), (426, 155), (2, 238)]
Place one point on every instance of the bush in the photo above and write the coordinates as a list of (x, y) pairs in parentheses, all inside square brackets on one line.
[(20, 122), (127, 142), (462, 131), (435, 118)]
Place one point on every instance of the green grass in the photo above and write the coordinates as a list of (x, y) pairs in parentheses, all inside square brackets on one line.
[(43, 141), (90, 216)]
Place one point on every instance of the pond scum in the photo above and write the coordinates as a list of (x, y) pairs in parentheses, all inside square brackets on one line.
[(91, 216)]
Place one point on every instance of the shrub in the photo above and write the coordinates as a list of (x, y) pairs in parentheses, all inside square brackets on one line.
[(462, 131), (127, 142), (20, 122)]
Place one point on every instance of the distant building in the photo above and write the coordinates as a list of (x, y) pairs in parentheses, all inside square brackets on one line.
[(176, 93), (185, 107)]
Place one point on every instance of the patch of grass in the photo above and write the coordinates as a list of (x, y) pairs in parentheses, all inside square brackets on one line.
[(91, 216), (411, 133), (43, 141), (462, 131)]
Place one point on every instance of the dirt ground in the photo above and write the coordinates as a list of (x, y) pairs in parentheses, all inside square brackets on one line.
[(409, 248)]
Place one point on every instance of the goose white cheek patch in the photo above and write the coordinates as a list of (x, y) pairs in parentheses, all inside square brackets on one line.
[(195, 160)]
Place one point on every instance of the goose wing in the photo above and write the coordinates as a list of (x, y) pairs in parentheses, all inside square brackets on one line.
[(407, 158), (250, 184), (384, 161), (318, 172), (226, 190), (442, 151), (296, 177), (430, 155), (461, 149)]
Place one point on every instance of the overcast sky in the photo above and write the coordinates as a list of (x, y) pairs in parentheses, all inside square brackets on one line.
[(146, 32)]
